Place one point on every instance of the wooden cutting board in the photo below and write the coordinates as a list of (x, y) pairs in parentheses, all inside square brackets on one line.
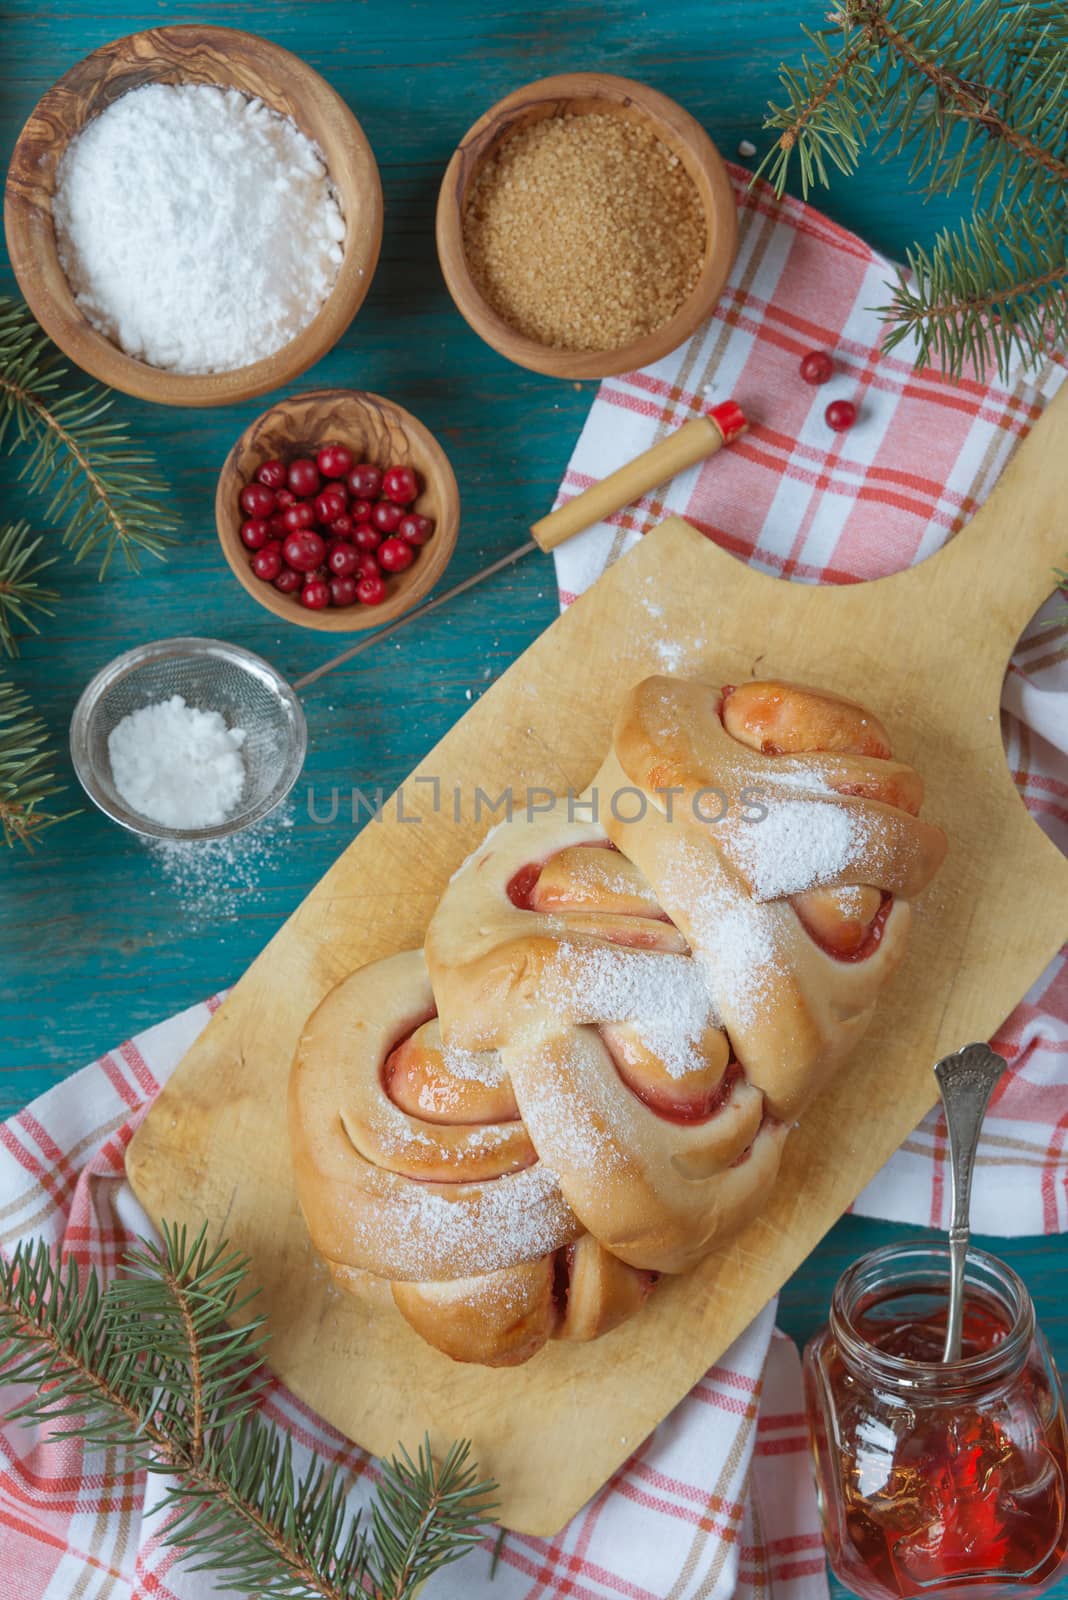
[(926, 651)]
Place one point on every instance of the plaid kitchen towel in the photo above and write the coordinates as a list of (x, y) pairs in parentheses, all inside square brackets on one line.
[(718, 1501)]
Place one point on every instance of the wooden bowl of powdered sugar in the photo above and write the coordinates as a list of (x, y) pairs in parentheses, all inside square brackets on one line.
[(193, 215)]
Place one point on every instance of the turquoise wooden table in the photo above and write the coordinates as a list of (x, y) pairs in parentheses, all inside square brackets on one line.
[(98, 936)]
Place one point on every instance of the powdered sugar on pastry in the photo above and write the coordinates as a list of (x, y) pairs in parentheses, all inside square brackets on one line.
[(473, 1066), (794, 776), (799, 845), (439, 1231), (667, 996), (733, 938), (574, 1129)]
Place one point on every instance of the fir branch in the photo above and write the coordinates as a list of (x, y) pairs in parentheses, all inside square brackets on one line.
[(421, 1519), (929, 73), (164, 1361), (26, 779), (978, 96), (979, 297), (821, 120), (973, 97), (105, 491), (20, 592)]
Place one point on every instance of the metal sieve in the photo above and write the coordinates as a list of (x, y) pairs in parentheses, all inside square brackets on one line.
[(212, 676)]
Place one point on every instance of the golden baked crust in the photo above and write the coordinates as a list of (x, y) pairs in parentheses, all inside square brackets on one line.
[(590, 1078), (459, 1217)]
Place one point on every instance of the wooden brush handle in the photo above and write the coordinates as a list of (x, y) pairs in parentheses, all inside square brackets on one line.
[(696, 439)]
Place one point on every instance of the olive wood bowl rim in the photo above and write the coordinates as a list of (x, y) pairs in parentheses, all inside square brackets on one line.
[(439, 497), (676, 127), (31, 239)]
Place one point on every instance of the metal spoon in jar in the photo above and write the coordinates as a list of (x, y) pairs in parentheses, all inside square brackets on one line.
[(966, 1081)]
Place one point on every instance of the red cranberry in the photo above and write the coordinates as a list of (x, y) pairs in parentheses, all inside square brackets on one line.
[(334, 461), (255, 533), (386, 516), (368, 567), (288, 580), (330, 503), (257, 500), (365, 537), (302, 515), (371, 591), (414, 528), (272, 473), (365, 481), (303, 477), (395, 555), (840, 415), (342, 527), (817, 367), (400, 485), (343, 560), (343, 591), (267, 563), (285, 498), (360, 510), (315, 594), (304, 550), (276, 525)]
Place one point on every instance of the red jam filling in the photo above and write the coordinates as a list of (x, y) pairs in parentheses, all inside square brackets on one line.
[(683, 1110), (522, 884), (434, 1098), (872, 939)]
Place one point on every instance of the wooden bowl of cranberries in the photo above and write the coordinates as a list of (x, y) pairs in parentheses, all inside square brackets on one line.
[(337, 509)]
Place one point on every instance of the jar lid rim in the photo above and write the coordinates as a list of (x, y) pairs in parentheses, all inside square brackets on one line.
[(998, 1279)]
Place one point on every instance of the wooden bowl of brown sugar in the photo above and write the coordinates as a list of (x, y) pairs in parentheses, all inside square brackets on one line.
[(586, 226)]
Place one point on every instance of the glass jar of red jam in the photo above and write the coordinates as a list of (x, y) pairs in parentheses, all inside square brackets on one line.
[(937, 1478)]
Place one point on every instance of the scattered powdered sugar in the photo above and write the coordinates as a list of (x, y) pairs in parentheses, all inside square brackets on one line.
[(516, 1218), (505, 1289), (215, 880), (198, 229), (799, 845), (670, 654), (799, 777), (178, 765), (571, 1128), (396, 1135), (674, 656), (851, 900), (601, 872), (741, 952), (473, 1066), (665, 995), (733, 938)]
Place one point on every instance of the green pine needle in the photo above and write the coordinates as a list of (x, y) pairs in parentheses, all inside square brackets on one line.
[(26, 778), (983, 297), (977, 96), (164, 1363), (105, 492), (20, 592)]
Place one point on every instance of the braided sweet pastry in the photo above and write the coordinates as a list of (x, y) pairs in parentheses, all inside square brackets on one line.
[(588, 1078)]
